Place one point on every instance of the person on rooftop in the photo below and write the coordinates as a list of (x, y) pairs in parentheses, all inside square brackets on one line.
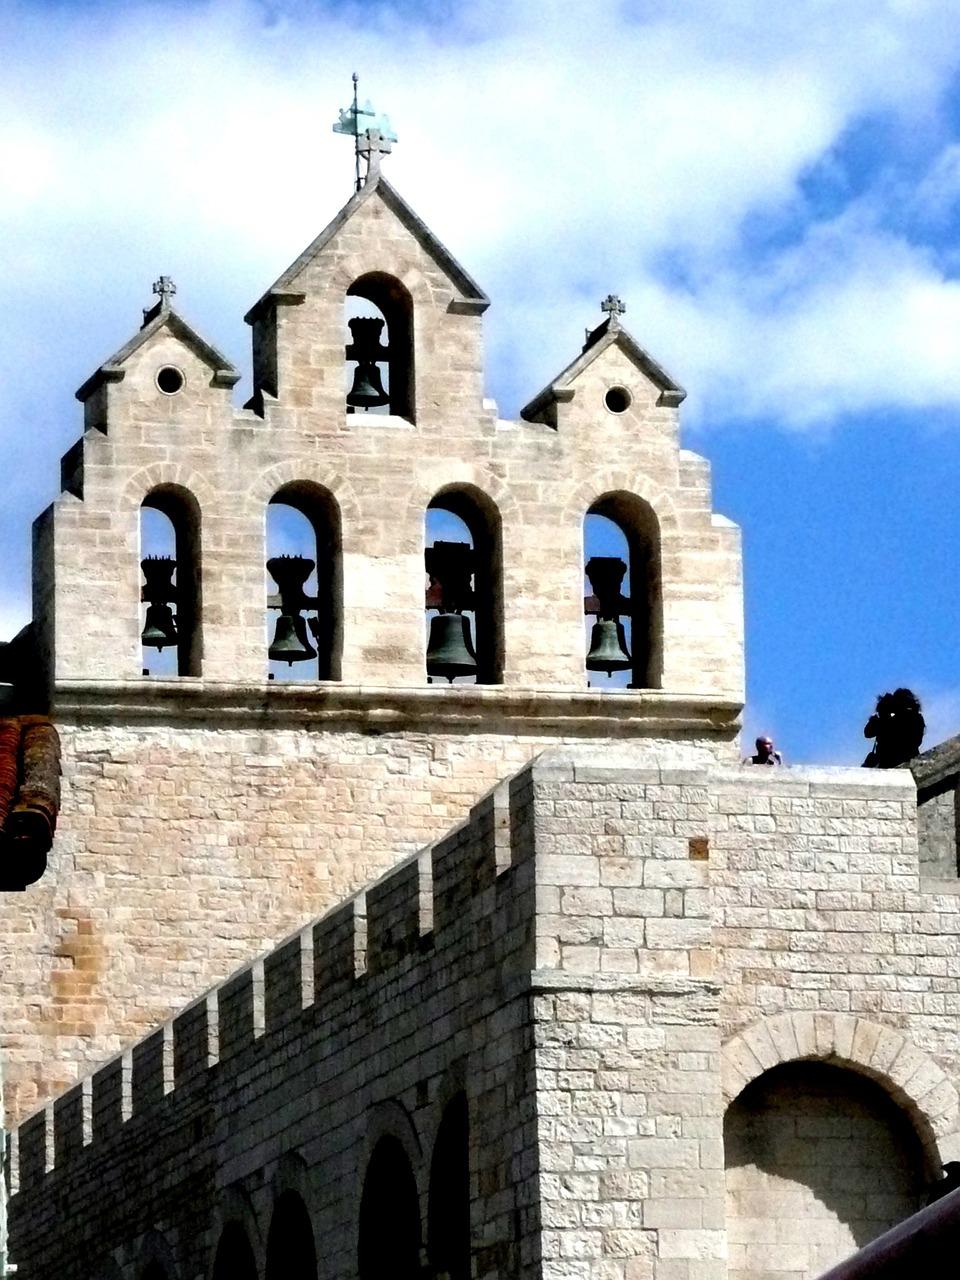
[(766, 752)]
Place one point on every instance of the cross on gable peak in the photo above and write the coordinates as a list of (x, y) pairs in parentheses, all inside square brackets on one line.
[(613, 306), (164, 288)]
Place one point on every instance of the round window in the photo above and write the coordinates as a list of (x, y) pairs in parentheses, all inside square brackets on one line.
[(617, 399), (169, 380)]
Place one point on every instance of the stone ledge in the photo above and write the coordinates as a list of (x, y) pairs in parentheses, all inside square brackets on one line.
[(386, 710), (544, 981)]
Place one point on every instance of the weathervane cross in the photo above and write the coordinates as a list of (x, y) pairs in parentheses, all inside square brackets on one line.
[(370, 142), (164, 288)]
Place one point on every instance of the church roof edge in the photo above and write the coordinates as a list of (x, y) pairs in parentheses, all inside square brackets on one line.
[(474, 301), (598, 340), (161, 317)]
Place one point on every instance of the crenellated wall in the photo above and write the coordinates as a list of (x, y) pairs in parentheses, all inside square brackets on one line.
[(583, 960)]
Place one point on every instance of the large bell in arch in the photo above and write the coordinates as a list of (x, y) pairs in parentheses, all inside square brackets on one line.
[(367, 391), (608, 647), (450, 652), (290, 643), (366, 348), (159, 627)]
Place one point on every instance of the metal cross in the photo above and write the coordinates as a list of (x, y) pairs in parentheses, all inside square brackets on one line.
[(613, 307), (164, 288)]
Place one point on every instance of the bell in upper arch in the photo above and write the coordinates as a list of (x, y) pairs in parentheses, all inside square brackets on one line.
[(450, 652), (608, 648), (367, 391), (159, 627), (290, 643)]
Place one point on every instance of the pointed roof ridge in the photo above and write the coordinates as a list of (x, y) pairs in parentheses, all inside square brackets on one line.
[(162, 316), (474, 300), (605, 335)]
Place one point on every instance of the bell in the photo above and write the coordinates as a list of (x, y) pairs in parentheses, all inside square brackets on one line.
[(159, 627), (450, 651), (367, 391), (608, 648), (288, 644)]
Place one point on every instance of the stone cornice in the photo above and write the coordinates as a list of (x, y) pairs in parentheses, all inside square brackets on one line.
[(646, 713)]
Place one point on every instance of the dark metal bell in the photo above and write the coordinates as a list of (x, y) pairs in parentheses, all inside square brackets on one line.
[(450, 651), (367, 391), (608, 648), (289, 645), (159, 628)]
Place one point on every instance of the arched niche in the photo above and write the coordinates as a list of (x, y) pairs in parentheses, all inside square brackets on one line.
[(171, 598), (378, 296), (389, 1225), (622, 527), (303, 523), (291, 1250), (234, 1258), (823, 1149), (448, 1215), (463, 515)]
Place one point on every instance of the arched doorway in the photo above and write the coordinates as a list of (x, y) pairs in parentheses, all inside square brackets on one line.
[(819, 1161), (448, 1225), (234, 1260), (389, 1234), (291, 1252)]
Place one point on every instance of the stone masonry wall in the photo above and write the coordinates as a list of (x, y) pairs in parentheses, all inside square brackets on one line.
[(938, 820), (604, 1012), (182, 852)]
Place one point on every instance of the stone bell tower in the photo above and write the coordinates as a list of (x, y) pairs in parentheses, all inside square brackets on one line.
[(210, 809)]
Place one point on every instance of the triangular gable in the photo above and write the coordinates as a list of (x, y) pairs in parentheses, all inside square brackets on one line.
[(162, 317), (473, 300), (604, 336)]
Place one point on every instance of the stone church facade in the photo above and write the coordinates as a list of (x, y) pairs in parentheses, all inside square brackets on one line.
[(565, 990)]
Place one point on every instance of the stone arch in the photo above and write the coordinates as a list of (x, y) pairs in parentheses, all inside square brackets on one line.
[(291, 1240), (396, 325), (911, 1077), (306, 471), (466, 476), (353, 268), (481, 516), (155, 1260), (386, 1120), (167, 474), (615, 481), (323, 547), (236, 1225), (449, 1239), (180, 508)]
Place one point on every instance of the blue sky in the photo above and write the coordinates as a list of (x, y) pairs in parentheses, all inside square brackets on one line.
[(772, 189)]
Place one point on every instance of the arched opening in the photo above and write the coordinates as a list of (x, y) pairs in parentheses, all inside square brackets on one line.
[(389, 1233), (448, 1218), (379, 351), (464, 592), (171, 613), (234, 1259), (623, 601), (291, 1251), (819, 1161), (305, 584)]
